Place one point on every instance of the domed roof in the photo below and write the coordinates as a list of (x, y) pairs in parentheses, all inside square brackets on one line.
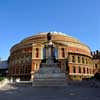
[(54, 34), (57, 37)]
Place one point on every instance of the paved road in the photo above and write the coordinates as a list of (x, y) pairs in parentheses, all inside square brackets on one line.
[(51, 93)]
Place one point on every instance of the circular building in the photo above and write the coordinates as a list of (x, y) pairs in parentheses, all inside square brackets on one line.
[(72, 56)]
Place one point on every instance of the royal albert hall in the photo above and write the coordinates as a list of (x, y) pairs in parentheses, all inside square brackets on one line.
[(73, 57)]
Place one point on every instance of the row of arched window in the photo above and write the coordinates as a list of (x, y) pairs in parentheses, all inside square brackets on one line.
[(79, 59), (62, 52), (85, 70), (21, 70)]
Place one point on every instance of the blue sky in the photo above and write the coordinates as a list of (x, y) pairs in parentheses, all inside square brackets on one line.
[(22, 18)]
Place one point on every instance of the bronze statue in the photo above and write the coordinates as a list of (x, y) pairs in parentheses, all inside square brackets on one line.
[(49, 36)]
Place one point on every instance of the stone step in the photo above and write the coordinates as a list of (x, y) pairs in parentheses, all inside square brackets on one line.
[(51, 75), (51, 80), (49, 83)]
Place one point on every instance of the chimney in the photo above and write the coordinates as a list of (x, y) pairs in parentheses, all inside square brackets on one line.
[(94, 53), (97, 52), (91, 53)]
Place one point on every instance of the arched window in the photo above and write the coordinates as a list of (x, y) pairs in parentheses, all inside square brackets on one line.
[(26, 70), (73, 58), (78, 59), (82, 60), (87, 70), (86, 61), (84, 70), (74, 69), (79, 69), (62, 52), (21, 71), (90, 71), (37, 52), (96, 66), (29, 69)]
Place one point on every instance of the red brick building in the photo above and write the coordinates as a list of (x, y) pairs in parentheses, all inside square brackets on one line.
[(96, 61), (73, 57)]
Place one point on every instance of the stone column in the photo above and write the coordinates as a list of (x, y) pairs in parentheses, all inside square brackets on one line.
[(76, 59), (70, 69), (41, 50), (59, 53)]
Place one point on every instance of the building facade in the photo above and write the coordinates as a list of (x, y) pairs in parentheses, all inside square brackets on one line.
[(96, 61), (73, 57)]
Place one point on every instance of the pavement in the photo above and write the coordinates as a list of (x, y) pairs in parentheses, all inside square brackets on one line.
[(7, 87), (70, 92)]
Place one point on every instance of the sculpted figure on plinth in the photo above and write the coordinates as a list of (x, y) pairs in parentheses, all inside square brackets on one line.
[(49, 50), (49, 36)]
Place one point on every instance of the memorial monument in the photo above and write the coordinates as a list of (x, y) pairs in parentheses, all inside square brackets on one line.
[(49, 73)]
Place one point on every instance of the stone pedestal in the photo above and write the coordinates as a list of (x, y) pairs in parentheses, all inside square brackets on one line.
[(49, 76)]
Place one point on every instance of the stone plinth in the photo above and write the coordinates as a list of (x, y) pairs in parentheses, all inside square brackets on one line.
[(49, 76)]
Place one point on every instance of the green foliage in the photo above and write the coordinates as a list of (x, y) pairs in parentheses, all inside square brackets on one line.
[(1, 78)]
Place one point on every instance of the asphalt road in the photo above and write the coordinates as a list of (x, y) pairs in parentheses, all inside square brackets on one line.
[(51, 93)]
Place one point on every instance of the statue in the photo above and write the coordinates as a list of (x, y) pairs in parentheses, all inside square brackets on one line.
[(49, 36)]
